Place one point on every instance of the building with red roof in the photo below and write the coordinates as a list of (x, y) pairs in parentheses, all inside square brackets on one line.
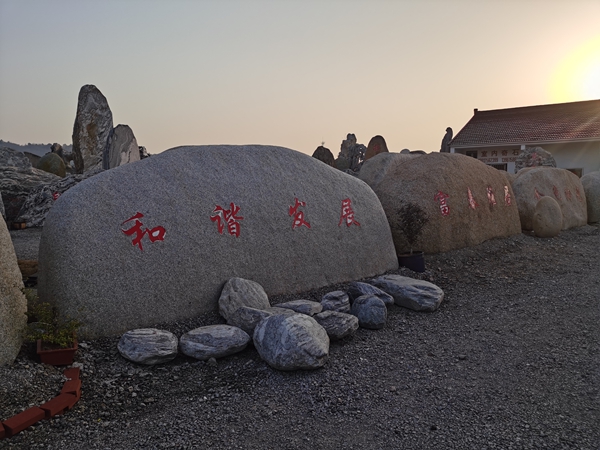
[(569, 131)]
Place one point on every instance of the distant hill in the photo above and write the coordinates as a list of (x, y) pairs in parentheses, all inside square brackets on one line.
[(36, 149)]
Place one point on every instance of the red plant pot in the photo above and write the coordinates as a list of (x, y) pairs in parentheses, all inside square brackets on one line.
[(57, 356)]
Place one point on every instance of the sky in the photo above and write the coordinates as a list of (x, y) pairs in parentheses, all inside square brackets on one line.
[(290, 73)]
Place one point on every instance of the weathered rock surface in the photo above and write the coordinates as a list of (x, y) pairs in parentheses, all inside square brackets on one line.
[(467, 202), (17, 180), (246, 318), (337, 325), (292, 342), (376, 146), (178, 225), (547, 218), (122, 148), (534, 157), (307, 307), (531, 184), (370, 311), (2, 212), (42, 197), (324, 154), (374, 170), (213, 341), (357, 289), (409, 293), (238, 292), (92, 129), (52, 163), (13, 303), (148, 346), (336, 301), (591, 187)]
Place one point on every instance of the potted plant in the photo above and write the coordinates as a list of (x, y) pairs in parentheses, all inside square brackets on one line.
[(411, 220), (56, 339)]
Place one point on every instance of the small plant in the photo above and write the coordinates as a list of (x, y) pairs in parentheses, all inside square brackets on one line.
[(411, 220), (44, 323)]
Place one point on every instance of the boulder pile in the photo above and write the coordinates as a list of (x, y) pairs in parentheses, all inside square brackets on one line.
[(291, 336)]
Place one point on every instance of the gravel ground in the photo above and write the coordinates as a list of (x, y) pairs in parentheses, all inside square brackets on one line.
[(509, 361)]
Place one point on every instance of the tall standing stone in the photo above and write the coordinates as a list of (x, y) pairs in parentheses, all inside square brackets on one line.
[(13, 303), (122, 148), (156, 241), (92, 129), (376, 146)]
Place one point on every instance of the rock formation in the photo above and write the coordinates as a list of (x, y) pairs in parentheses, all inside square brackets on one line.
[(376, 146), (532, 183), (179, 225), (534, 157), (52, 163), (92, 129), (325, 155), (445, 147), (591, 187), (122, 148)]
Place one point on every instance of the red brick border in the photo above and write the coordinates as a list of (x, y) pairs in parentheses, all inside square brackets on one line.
[(69, 395)]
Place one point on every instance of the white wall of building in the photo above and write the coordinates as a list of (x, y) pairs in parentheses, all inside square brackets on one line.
[(583, 155)]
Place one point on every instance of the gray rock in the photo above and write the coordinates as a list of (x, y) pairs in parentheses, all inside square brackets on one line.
[(52, 163), (148, 346), (591, 187), (2, 212), (17, 180), (357, 289), (337, 325), (92, 129), (336, 301), (292, 342), (13, 303), (547, 218), (41, 198), (122, 148), (238, 292), (247, 318), (324, 154), (307, 307), (143, 152), (370, 311), (534, 157), (409, 293), (197, 244), (213, 341)]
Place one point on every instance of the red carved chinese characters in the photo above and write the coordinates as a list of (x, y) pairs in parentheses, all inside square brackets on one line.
[(568, 194), (347, 213), (490, 195), (507, 200), (537, 194), (579, 197), (229, 217), (154, 234), (556, 193), (472, 203), (298, 215), (441, 198), (55, 195)]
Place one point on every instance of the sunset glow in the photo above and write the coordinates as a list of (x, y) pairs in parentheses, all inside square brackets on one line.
[(578, 75)]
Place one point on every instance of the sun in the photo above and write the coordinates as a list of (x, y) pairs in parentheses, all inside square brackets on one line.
[(577, 77)]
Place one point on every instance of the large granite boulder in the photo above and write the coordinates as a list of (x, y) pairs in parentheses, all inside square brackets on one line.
[(52, 163), (213, 341), (532, 183), (148, 346), (418, 295), (17, 179), (122, 148), (13, 303), (92, 129), (376, 146), (547, 218), (178, 225), (292, 342), (467, 202), (534, 157), (591, 187), (374, 170), (41, 198)]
